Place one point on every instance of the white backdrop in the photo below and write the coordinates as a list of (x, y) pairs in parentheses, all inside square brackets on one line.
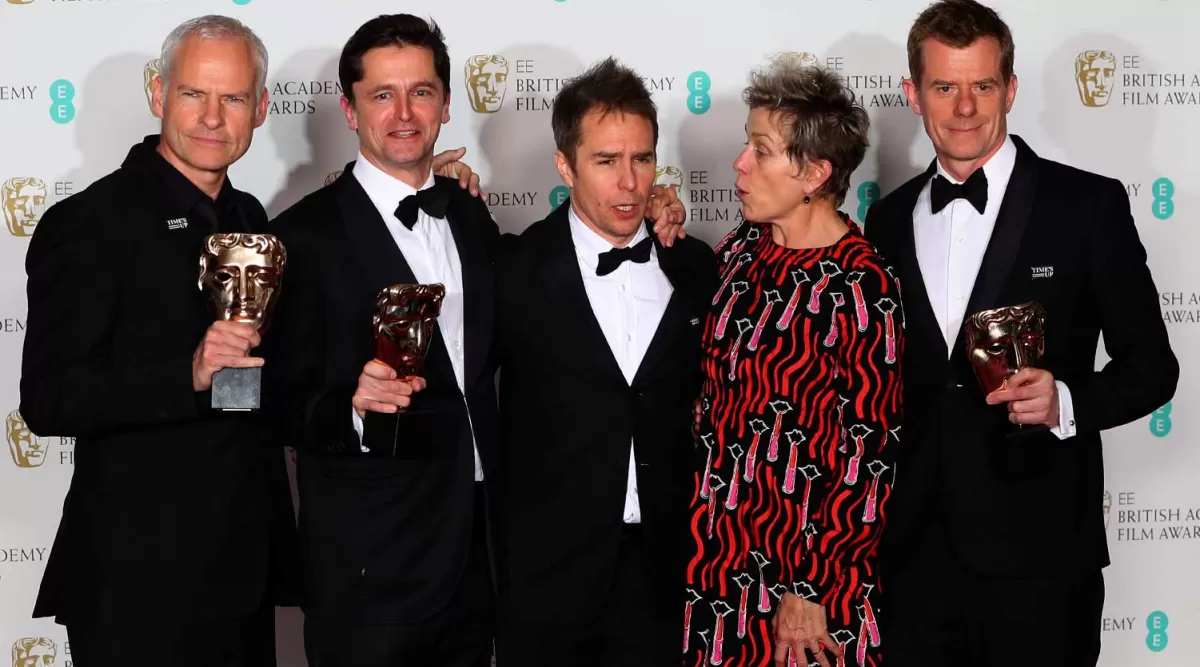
[(72, 101)]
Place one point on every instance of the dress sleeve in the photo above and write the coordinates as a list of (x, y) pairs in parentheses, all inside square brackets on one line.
[(868, 381)]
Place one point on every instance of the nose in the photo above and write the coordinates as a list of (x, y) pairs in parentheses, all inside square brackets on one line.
[(742, 162), (628, 180), (213, 115), (402, 108), (965, 104)]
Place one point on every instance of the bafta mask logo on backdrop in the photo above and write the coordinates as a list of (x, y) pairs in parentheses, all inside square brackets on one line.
[(1107, 507), (1095, 77), (333, 176), (27, 449), (24, 201), (34, 651), (20, 2), (148, 73), (670, 176), (486, 78)]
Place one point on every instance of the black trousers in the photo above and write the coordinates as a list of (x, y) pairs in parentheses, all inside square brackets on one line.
[(941, 614), (113, 642), (460, 635), (626, 632)]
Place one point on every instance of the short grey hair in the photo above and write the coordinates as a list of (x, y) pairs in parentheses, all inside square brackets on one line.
[(818, 116), (215, 26)]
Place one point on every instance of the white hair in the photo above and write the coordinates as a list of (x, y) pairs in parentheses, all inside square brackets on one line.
[(215, 26)]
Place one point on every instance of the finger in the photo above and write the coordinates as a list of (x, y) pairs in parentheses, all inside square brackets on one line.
[(1036, 405), (832, 646), (378, 370), (372, 405), (475, 184), (1030, 374), (448, 156), (397, 387), (781, 653), (236, 329), (417, 383), (380, 396), (819, 655), (227, 361), (215, 349)]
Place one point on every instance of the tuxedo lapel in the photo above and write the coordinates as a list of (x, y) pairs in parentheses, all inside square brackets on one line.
[(674, 318), (917, 308), (478, 283), (570, 306), (373, 244), (380, 258), (1011, 221)]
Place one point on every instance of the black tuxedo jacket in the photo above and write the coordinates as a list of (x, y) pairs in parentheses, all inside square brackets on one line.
[(174, 511), (1019, 505), (383, 540), (567, 415)]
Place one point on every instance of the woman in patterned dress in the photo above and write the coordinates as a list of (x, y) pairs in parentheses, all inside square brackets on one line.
[(800, 413)]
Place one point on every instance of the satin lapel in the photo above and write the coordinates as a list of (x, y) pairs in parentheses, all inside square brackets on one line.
[(478, 282), (570, 306), (380, 258), (1010, 226), (917, 308), (674, 320)]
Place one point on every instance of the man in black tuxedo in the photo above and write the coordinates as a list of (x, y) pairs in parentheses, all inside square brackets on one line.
[(600, 359), (395, 544), (175, 511), (995, 541)]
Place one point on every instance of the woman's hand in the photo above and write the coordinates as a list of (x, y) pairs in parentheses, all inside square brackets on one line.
[(800, 626)]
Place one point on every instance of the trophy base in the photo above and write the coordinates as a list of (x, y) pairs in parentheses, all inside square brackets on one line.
[(405, 435), (237, 389)]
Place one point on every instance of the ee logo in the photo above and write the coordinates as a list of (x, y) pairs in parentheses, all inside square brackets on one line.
[(558, 195), (699, 84), (1160, 421), (241, 2), (62, 101), (1156, 635), (868, 193), (1163, 206)]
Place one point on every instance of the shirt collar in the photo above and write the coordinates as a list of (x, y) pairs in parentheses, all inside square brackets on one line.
[(180, 188), (385, 191), (589, 244), (998, 167)]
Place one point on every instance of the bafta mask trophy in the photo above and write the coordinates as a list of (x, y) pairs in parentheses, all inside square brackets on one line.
[(1002, 341), (404, 321), (240, 275)]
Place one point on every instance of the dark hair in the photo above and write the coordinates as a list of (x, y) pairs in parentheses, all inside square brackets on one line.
[(392, 30), (818, 117), (607, 86), (958, 24)]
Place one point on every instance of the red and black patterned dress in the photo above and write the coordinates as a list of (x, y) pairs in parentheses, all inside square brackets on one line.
[(797, 445)]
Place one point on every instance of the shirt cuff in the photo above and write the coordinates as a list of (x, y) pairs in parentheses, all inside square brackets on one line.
[(358, 426), (1066, 413)]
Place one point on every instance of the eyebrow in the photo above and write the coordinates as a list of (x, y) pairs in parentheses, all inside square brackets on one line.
[(609, 155), (937, 83)]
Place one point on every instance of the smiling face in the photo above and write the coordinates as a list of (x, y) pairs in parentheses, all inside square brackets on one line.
[(398, 110), (612, 173), (963, 99)]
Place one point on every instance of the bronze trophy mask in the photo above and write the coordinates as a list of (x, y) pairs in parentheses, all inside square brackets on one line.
[(240, 276), (1002, 341), (404, 324)]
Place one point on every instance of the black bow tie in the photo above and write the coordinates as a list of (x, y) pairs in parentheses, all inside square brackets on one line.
[(611, 259), (974, 191), (433, 200)]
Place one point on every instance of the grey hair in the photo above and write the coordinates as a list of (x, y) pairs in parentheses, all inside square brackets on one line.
[(214, 26), (819, 117)]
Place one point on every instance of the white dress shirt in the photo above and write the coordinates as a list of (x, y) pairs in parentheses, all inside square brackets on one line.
[(950, 246), (628, 303), (430, 251)]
